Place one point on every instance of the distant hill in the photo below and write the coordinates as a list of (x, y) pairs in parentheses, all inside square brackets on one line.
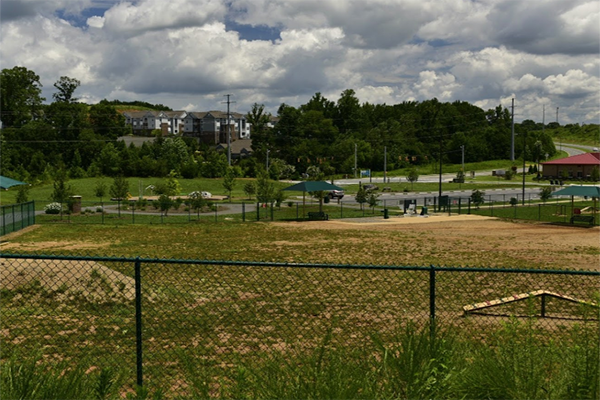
[(135, 105)]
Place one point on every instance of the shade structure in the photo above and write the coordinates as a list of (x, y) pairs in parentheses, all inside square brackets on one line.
[(311, 186), (6, 183), (582, 191)]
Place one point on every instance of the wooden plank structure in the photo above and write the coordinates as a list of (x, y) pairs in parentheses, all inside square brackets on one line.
[(475, 307)]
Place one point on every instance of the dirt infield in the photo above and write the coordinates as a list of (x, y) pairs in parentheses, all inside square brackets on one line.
[(480, 239)]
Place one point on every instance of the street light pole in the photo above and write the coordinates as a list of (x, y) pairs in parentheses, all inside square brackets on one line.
[(268, 160), (524, 144)]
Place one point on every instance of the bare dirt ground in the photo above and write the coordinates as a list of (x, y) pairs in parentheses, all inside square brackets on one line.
[(574, 247)]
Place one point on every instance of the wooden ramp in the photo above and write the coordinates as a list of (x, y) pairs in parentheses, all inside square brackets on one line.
[(475, 307)]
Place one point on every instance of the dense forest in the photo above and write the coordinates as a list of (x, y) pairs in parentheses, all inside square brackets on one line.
[(38, 139)]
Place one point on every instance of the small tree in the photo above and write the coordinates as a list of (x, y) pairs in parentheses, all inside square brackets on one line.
[(372, 200), (22, 194), (229, 181), (545, 193), (412, 177), (250, 189), (280, 197), (477, 198), (265, 189), (62, 191), (164, 203), (100, 190), (119, 190), (196, 201), (361, 196)]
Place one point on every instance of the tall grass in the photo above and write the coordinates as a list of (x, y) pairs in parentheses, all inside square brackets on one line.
[(515, 362)]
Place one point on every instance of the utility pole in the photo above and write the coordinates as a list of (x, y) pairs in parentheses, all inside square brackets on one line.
[(512, 141), (543, 118), (268, 160), (228, 130), (384, 163), (524, 145), (355, 157), (440, 187), (559, 139)]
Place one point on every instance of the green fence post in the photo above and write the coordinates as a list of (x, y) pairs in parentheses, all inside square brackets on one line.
[(539, 212), (14, 226), (138, 320), (258, 211), (33, 210), (22, 216), (432, 301), (469, 206), (243, 212), (102, 206)]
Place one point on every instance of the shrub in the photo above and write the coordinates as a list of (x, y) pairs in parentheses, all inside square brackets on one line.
[(53, 208)]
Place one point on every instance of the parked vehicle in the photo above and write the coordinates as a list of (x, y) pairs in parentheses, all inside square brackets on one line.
[(336, 194), (369, 187)]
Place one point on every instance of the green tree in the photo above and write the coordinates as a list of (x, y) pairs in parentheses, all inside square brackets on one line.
[(265, 189), (412, 176), (229, 181), (66, 87), (20, 96), (545, 193), (100, 189), (372, 200), (119, 190), (361, 196), (164, 203), (62, 191), (22, 194), (106, 121), (477, 197), (196, 201), (250, 189)]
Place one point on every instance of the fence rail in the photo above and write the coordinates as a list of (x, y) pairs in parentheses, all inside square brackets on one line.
[(152, 317)]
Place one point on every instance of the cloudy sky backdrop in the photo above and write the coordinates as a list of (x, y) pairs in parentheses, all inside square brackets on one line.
[(187, 54)]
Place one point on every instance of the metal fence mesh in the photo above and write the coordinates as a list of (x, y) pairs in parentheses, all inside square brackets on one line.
[(225, 313)]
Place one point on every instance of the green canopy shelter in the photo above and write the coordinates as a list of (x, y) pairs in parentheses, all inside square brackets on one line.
[(580, 191), (311, 186), (6, 183)]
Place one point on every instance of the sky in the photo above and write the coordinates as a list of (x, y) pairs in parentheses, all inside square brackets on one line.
[(188, 54)]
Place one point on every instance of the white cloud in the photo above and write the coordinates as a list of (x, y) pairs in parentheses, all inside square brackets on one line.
[(132, 19), (181, 53)]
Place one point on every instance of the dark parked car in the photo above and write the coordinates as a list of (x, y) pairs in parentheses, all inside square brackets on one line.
[(336, 194), (369, 187)]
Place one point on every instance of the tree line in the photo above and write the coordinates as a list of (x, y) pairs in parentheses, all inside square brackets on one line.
[(320, 137)]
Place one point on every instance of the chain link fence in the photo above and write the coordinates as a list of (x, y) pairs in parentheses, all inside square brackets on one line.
[(153, 318), (15, 217)]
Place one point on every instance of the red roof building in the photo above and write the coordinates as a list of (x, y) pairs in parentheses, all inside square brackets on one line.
[(579, 166)]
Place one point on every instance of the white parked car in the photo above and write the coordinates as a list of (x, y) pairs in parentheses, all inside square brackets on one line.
[(206, 195)]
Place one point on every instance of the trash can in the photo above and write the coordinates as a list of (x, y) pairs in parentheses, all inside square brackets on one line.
[(423, 210), (326, 199), (386, 213)]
